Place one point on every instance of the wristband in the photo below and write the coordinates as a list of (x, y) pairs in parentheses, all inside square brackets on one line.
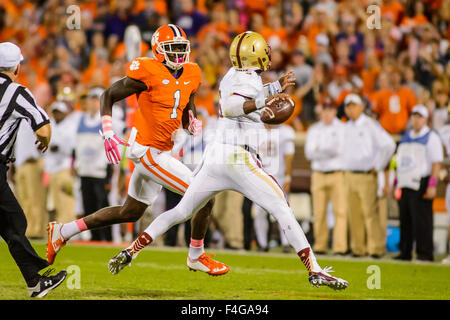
[(106, 123), (276, 86), (432, 182), (260, 103)]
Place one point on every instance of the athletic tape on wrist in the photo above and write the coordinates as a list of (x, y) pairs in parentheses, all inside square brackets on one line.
[(106, 123), (260, 103)]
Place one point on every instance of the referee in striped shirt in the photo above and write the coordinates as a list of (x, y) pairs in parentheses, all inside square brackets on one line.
[(18, 104)]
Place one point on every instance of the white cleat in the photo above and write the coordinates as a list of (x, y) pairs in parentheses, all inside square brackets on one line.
[(323, 278)]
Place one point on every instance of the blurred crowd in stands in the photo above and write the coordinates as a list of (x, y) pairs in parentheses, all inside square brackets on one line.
[(394, 64)]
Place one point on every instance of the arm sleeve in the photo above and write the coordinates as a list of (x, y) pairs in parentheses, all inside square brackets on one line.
[(27, 107), (137, 70)]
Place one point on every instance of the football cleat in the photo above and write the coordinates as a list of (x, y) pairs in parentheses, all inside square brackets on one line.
[(208, 265), (120, 261), (55, 240), (46, 283), (323, 278)]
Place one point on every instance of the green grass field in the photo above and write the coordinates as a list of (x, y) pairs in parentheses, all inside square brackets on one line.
[(161, 273)]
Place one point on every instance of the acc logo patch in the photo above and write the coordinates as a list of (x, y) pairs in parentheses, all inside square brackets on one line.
[(165, 81)]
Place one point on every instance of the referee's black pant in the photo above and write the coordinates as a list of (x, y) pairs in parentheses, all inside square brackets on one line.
[(13, 225), (95, 197), (416, 222)]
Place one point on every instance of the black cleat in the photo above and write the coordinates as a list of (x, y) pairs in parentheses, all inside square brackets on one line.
[(46, 283), (120, 261)]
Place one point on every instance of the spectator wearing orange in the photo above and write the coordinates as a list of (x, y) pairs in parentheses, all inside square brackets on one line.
[(293, 33), (205, 98), (394, 9), (370, 73), (218, 26), (234, 21), (274, 33), (394, 104), (319, 24), (416, 19), (98, 74), (146, 15)]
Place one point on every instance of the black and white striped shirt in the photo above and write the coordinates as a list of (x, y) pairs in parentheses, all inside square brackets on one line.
[(16, 104)]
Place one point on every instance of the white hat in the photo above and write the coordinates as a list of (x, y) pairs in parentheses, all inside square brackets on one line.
[(420, 109), (10, 55), (322, 39), (59, 106), (352, 98), (95, 92)]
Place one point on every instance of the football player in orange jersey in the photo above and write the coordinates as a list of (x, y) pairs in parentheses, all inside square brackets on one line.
[(165, 87)]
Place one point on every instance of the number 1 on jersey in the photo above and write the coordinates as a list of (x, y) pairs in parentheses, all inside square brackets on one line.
[(176, 96)]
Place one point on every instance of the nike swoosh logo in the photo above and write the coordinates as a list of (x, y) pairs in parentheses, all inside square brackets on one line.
[(221, 269), (187, 82)]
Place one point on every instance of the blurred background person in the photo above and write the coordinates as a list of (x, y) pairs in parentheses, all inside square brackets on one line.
[(324, 147), (367, 150), (419, 159), (393, 105), (29, 169), (90, 160), (58, 164)]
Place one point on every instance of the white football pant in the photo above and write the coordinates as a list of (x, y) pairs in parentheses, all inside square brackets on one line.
[(230, 167)]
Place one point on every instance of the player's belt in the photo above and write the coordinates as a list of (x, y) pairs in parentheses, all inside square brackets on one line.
[(329, 172), (361, 171)]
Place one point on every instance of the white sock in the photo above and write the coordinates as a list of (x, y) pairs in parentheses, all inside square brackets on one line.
[(195, 252), (261, 225), (68, 230), (196, 249)]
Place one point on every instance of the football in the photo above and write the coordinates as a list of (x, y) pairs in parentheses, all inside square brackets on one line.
[(278, 110)]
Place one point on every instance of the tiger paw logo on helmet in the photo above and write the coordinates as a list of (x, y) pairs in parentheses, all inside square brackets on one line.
[(171, 46)]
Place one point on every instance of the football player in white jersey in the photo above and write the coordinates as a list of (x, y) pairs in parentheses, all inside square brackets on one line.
[(276, 149), (231, 162)]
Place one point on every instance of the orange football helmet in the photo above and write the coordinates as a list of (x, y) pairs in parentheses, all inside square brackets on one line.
[(171, 46)]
